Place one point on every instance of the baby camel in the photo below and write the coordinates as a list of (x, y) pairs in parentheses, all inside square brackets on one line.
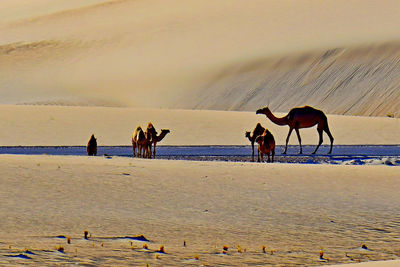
[(258, 130), (266, 145)]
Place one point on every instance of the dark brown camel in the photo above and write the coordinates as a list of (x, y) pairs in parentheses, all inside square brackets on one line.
[(258, 130), (158, 138), (266, 145), (91, 147), (302, 117)]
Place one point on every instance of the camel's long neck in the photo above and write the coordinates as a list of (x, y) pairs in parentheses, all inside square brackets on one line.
[(251, 138), (161, 136), (278, 121)]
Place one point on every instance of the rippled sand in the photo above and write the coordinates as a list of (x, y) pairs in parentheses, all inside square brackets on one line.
[(293, 210)]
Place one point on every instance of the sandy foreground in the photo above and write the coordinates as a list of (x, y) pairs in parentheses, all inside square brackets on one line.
[(293, 210)]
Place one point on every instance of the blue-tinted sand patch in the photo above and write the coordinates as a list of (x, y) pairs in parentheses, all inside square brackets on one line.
[(342, 154)]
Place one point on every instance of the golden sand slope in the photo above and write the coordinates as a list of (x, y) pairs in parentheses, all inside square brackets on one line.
[(228, 54)]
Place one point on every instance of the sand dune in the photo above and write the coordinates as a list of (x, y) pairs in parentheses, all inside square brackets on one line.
[(227, 55)]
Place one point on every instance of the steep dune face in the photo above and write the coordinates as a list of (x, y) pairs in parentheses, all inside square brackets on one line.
[(355, 81), (230, 55)]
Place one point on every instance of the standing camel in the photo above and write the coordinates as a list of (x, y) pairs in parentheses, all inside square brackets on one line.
[(302, 117), (266, 145), (91, 147), (258, 130), (142, 141), (158, 138), (135, 136)]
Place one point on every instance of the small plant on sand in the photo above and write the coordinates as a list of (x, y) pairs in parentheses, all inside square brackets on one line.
[(145, 246), (239, 249), (86, 234), (161, 250), (264, 249), (321, 254), (196, 257), (60, 249), (68, 240)]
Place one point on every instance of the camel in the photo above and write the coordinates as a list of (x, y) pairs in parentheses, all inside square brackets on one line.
[(258, 130), (158, 138), (142, 140), (266, 145), (91, 147), (301, 117), (134, 139)]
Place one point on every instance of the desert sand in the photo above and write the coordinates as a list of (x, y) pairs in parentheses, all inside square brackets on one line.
[(65, 126), (201, 68), (293, 210)]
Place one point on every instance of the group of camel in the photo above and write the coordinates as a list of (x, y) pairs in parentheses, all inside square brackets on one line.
[(142, 140), (297, 118), (145, 140)]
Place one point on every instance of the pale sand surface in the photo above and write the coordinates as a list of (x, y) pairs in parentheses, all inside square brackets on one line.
[(295, 210), (60, 125), (390, 263)]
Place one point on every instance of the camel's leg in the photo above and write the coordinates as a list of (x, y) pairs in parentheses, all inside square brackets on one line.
[(287, 139), (273, 154), (154, 149), (262, 156), (258, 155), (298, 137), (326, 129), (139, 150), (269, 159), (149, 154), (95, 151), (320, 139), (144, 151), (252, 151)]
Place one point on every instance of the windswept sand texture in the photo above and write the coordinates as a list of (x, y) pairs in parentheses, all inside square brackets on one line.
[(294, 210), (341, 56)]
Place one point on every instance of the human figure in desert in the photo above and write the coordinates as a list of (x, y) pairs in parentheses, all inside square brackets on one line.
[(158, 138), (258, 130), (301, 117), (91, 147), (266, 145)]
